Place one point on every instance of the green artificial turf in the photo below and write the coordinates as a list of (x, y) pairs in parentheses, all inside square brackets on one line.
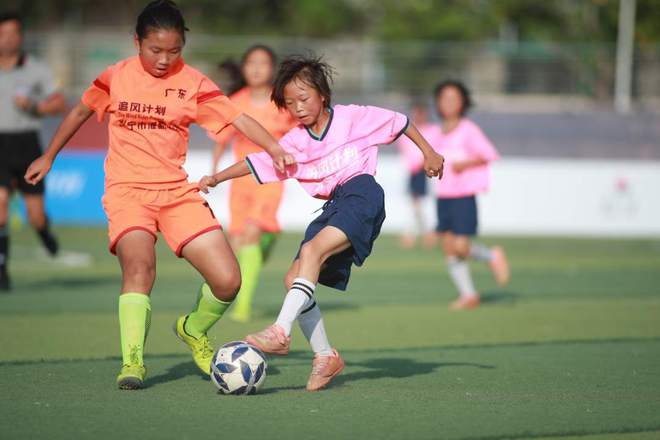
[(570, 349)]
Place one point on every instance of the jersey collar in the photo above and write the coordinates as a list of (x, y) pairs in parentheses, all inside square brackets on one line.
[(325, 130)]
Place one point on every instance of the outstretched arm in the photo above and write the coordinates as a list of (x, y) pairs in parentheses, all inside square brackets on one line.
[(433, 162), (460, 166), (257, 134), (71, 123), (239, 169)]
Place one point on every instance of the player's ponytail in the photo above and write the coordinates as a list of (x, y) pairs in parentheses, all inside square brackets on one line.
[(160, 14), (235, 80)]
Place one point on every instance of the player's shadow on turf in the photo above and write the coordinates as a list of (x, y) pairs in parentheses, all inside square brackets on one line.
[(498, 297), (270, 312), (68, 283), (398, 368), (175, 372)]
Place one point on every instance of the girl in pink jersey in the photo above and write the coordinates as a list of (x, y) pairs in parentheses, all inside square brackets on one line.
[(414, 161), (335, 149), (151, 100), (468, 153)]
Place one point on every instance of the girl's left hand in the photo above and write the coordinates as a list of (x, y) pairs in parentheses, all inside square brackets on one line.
[(206, 183), (433, 165)]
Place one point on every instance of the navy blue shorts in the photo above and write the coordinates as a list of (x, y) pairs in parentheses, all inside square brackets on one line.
[(357, 208), (417, 184), (457, 215)]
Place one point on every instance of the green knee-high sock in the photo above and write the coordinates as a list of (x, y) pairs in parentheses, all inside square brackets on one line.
[(134, 322), (250, 259), (267, 243), (206, 313)]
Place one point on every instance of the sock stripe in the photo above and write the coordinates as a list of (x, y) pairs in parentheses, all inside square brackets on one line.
[(309, 308), (299, 284), (304, 289)]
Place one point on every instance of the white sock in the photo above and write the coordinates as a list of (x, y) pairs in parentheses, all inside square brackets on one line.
[(311, 324), (459, 272), (299, 297), (481, 252)]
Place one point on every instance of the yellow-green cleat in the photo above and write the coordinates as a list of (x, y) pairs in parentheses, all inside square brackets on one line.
[(201, 348), (131, 377)]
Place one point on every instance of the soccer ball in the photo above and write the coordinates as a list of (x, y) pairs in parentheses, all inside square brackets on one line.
[(238, 368)]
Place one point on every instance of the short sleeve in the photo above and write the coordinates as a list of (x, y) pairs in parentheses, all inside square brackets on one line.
[(97, 95), (480, 146), (214, 109), (262, 168), (379, 125), (224, 136)]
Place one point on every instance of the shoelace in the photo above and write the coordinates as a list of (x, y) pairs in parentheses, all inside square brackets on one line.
[(318, 366), (205, 349)]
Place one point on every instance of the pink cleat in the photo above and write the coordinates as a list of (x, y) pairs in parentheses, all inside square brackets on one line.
[(324, 369), (465, 303), (500, 266), (271, 340)]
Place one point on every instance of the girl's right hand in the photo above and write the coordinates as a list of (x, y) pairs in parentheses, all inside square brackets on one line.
[(207, 182), (282, 160), (38, 170)]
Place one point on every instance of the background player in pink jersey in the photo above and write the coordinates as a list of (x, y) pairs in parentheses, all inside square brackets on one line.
[(253, 207), (417, 188), (468, 153), (335, 149), (152, 99)]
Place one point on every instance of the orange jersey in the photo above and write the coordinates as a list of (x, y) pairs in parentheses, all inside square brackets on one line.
[(150, 118), (277, 122)]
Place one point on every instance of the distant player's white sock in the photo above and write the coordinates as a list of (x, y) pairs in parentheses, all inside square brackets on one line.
[(459, 272), (311, 324), (299, 297), (481, 252)]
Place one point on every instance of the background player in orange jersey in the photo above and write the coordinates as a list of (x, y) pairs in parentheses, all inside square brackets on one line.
[(253, 207), (152, 99)]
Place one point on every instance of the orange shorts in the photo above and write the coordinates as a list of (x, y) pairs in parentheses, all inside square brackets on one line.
[(180, 214), (251, 202)]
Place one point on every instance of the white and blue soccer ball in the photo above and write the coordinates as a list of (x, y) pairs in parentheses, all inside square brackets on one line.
[(238, 368)]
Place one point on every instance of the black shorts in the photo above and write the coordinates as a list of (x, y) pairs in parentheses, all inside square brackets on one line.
[(417, 184), (357, 208), (457, 215), (17, 152)]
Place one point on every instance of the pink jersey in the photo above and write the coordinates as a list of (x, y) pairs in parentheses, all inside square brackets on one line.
[(465, 142), (347, 147), (412, 157)]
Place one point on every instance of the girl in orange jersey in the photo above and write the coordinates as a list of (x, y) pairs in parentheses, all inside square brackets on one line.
[(152, 99), (253, 207)]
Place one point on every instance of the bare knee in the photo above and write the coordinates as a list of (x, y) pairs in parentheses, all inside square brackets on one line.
[(139, 275), (4, 208), (251, 235), (225, 284), (310, 253), (448, 248), (36, 219), (462, 249)]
